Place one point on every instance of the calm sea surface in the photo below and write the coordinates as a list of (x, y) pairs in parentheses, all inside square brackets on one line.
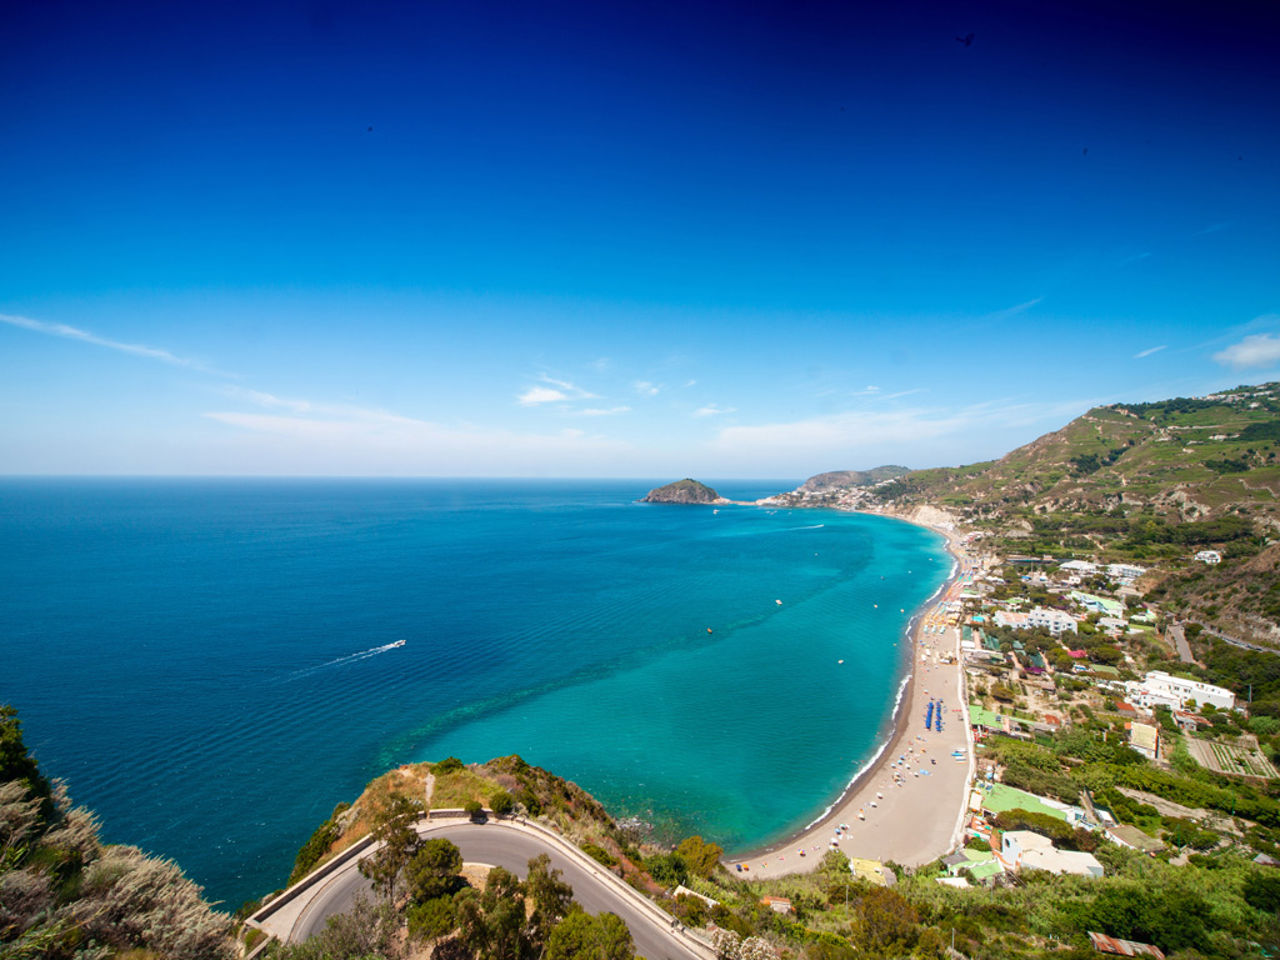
[(207, 662)]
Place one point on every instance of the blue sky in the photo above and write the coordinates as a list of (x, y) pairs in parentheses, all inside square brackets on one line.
[(622, 239)]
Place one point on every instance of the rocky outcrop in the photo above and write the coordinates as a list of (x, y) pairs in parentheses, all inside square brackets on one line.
[(682, 491), (841, 479)]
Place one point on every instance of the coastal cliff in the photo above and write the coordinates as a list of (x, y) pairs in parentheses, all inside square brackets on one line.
[(682, 491)]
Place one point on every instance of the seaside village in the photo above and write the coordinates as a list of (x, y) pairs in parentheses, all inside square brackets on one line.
[(1056, 658)]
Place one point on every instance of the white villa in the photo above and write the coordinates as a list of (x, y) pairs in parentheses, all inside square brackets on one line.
[(1159, 688), (1124, 571), (1055, 621), (1024, 850)]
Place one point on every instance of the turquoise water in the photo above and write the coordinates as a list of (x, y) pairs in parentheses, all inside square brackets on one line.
[(208, 662)]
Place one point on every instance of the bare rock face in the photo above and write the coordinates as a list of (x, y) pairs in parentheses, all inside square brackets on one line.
[(682, 491)]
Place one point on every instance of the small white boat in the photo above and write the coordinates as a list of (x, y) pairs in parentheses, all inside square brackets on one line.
[(398, 643)]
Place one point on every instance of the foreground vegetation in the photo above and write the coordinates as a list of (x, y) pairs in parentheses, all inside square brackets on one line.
[(64, 894)]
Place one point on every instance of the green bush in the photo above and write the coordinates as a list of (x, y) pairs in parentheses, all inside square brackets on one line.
[(447, 765), (599, 854), (318, 845), (529, 800), (473, 808), (501, 802), (668, 869), (431, 919)]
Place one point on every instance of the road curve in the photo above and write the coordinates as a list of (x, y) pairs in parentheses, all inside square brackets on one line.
[(511, 849)]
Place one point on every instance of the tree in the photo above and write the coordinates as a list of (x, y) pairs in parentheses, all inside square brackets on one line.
[(884, 921), (667, 869), (492, 924), (504, 910), (365, 930), (393, 823), (701, 858), (431, 919), (433, 870), (501, 802), (580, 936), (549, 899)]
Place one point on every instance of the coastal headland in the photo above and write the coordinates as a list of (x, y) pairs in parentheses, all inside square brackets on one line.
[(907, 804)]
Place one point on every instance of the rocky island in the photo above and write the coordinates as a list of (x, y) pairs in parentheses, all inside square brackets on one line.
[(682, 491)]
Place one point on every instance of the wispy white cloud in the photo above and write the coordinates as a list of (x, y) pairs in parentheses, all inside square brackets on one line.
[(1258, 350), (835, 437), (905, 393), (553, 390), (262, 399), (1212, 228), (1013, 311), (603, 411), (647, 389), (711, 410), (574, 391), (271, 401), (1135, 258), (868, 391), (84, 336), (537, 395), (395, 445), (1149, 351), (600, 364)]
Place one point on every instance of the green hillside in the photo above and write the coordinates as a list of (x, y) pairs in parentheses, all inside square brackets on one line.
[(1152, 483), (1181, 459)]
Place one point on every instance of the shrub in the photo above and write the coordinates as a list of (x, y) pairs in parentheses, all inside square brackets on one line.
[(501, 802), (599, 854), (701, 858), (447, 765), (473, 808), (431, 919), (318, 845), (667, 869), (529, 800)]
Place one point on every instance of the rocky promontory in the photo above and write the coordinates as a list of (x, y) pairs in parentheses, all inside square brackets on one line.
[(682, 491)]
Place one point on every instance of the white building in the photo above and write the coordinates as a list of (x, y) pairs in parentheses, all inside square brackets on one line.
[(1209, 556), (1159, 688), (1114, 626), (1024, 850), (1057, 621), (1079, 566), (1124, 571)]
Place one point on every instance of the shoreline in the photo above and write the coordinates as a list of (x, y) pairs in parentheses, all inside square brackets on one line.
[(850, 805)]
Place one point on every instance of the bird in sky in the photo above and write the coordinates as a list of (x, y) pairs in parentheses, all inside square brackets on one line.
[(967, 39)]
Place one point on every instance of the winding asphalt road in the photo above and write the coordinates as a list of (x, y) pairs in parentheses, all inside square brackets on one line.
[(492, 844)]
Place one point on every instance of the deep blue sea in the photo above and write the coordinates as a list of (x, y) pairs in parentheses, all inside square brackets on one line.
[(207, 663)]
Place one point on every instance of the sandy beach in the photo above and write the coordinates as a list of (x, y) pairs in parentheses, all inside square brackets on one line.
[(907, 806)]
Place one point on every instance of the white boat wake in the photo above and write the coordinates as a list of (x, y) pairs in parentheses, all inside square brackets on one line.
[(350, 658)]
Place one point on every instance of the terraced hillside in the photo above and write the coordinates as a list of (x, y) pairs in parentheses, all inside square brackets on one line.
[(1154, 483), (1180, 460)]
